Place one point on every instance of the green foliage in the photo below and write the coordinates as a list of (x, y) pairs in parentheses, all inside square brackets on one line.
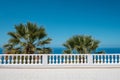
[(81, 44), (27, 39)]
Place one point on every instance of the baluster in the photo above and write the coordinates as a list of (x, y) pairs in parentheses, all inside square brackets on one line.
[(85, 59), (41, 59), (105, 59), (72, 60), (63, 59), (16, 59), (76, 59), (50, 59), (38, 59), (12, 59), (53, 59), (66, 59), (96, 59), (119, 59), (56, 59), (37, 56), (108, 59), (60, 59), (115, 59), (32, 59), (4, 59), (35, 59), (111, 59), (24, 59), (8, 59), (20, 59), (80, 59), (28, 59), (93, 57), (100, 58), (0, 59), (69, 60)]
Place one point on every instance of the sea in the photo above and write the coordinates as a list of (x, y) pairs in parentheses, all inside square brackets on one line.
[(59, 50)]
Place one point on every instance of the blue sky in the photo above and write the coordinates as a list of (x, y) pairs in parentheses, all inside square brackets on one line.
[(64, 18)]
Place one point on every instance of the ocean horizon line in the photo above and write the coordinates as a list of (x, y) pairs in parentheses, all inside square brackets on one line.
[(59, 50)]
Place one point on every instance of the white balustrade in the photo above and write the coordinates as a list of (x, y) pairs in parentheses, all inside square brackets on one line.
[(59, 59)]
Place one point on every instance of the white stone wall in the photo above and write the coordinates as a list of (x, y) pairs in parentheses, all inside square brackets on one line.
[(61, 74)]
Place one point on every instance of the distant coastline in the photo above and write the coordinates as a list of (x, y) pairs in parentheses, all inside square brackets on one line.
[(58, 50)]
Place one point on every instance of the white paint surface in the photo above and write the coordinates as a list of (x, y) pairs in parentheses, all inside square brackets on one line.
[(61, 74)]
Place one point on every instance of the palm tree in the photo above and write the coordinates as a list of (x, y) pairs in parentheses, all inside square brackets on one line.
[(69, 45), (27, 39), (81, 44)]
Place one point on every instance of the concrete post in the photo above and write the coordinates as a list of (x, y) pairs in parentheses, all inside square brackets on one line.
[(45, 59), (90, 59)]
